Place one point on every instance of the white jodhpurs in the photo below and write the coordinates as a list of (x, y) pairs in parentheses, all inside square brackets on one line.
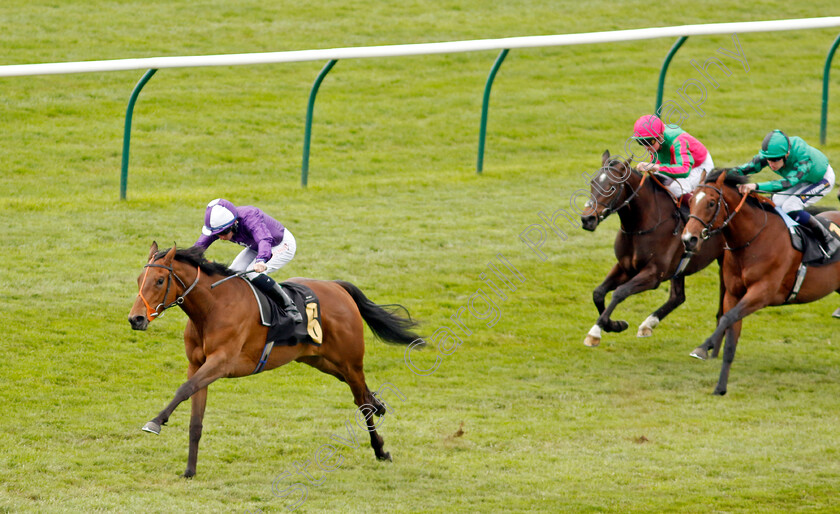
[(280, 256), (681, 186)]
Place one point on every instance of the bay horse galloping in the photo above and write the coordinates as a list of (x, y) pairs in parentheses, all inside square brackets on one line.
[(760, 266), (647, 247), (225, 338)]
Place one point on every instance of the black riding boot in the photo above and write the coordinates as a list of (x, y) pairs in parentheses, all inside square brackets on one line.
[(828, 241), (276, 292)]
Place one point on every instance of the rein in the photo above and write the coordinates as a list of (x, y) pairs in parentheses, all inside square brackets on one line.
[(157, 311), (609, 209), (708, 231)]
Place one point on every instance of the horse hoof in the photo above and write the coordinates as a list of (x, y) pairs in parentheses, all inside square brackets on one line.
[(836, 314), (151, 427), (592, 341), (621, 326), (720, 392), (188, 474), (646, 328), (699, 353), (385, 456)]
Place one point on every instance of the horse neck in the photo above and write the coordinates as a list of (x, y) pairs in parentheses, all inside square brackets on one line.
[(744, 226), (642, 210), (198, 301)]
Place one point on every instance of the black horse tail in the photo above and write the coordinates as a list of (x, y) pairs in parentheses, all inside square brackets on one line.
[(385, 324)]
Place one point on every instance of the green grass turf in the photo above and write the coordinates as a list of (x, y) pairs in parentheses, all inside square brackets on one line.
[(395, 206)]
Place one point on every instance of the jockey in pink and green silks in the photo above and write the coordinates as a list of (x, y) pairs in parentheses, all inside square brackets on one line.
[(675, 154)]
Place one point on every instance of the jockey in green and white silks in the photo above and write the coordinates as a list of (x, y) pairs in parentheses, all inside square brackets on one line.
[(806, 178)]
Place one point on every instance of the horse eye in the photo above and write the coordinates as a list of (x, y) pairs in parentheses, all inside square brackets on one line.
[(160, 281), (711, 204)]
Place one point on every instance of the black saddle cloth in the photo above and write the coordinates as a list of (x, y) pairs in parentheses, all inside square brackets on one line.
[(282, 329), (805, 241)]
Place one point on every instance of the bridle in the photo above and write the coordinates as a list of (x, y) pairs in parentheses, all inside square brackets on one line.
[(157, 311), (609, 209), (709, 231)]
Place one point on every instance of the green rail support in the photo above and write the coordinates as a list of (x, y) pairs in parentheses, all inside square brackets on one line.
[(127, 134), (664, 70), (307, 135), (482, 133), (824, 114)]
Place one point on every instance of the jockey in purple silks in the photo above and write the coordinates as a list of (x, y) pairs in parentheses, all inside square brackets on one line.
[(268, 245)]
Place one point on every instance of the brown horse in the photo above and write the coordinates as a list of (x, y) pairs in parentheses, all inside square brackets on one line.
[(760, 265), (224, 336), (647, 246)]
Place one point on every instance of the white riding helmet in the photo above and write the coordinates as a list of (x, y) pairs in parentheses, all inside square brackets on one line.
[(218, 217)]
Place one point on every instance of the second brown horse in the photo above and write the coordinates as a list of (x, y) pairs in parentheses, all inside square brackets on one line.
[(760, 265)]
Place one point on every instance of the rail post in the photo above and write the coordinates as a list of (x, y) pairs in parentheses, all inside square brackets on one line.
[(307, 134), (127, 133)]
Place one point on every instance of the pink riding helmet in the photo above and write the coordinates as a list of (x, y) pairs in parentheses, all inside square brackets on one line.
[(648, 126)]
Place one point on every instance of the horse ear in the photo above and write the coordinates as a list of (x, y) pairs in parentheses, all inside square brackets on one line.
[(721, 178), (605, 157), (703, 176), (167, 260), (153, 250)]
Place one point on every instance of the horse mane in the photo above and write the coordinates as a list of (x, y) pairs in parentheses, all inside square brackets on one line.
[(194, 256), (618, 162), (733, 180)]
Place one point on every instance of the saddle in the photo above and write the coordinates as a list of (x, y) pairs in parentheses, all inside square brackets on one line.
[(682, 209), (803, 240), (282, 330)]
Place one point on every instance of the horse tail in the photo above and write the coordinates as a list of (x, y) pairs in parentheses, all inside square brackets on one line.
[(387, 325)]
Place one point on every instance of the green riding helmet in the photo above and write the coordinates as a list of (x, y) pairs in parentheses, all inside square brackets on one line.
[(775, 145)]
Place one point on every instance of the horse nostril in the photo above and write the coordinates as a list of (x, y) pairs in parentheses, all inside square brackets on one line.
[(137, 321)]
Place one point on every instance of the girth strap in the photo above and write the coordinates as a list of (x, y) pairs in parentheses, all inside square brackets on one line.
[(797, 284), (264, 357)]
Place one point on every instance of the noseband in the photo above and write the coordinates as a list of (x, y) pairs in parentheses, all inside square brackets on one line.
[(157, 311)]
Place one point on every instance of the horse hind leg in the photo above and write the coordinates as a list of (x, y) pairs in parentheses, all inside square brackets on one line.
[(368, 406), (366, 401)]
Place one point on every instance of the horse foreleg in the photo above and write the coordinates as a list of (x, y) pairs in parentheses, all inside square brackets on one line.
[(199, 402), (713, 343), (735, 310), (722, 288), (732, 336), (644, 280), (675, 299), (614, 278), (214, 368)]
